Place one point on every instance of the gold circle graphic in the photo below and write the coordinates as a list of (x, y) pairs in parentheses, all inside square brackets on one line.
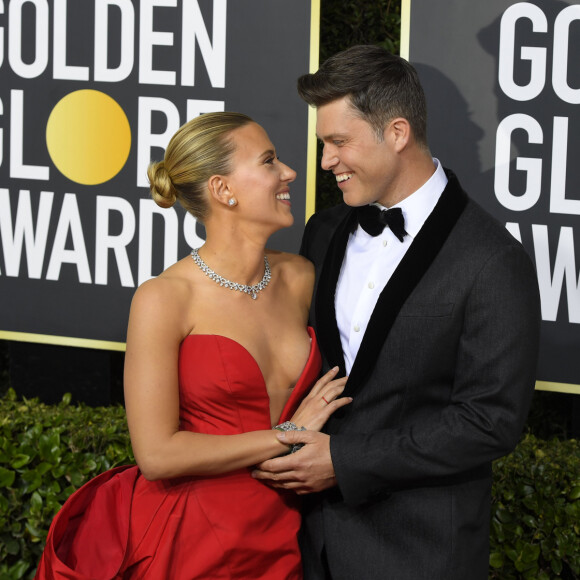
[(88, 137)]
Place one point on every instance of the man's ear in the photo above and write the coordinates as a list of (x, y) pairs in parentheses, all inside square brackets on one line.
[(399, 133), (218, 189)]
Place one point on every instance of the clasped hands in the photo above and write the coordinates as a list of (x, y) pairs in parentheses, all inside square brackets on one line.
[(310, 469)]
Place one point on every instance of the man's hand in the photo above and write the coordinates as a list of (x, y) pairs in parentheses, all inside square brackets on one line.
[(308, 470)]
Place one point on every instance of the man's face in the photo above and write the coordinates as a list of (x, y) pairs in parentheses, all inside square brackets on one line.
[(365, 168)]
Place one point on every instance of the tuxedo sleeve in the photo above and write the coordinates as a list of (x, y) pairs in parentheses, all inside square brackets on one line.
[(491, 389)]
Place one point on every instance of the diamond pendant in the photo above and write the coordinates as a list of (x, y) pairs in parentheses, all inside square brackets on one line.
[(254, 296)]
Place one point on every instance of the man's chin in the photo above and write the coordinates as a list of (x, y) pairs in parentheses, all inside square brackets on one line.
[(354, 200)]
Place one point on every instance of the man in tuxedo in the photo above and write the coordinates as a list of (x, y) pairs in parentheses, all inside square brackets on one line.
[(431, 308)]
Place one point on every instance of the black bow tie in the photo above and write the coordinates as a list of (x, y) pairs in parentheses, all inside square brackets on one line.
[(373, 220)]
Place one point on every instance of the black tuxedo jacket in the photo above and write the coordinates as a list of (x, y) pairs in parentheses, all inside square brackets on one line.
[(442, 385)]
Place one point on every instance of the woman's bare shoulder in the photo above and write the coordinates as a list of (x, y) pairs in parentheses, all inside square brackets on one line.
[(296, 274), (173, 282), (167, 298), (290, 263)]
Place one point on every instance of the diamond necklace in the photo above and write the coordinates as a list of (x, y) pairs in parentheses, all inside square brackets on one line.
[(250, 290)]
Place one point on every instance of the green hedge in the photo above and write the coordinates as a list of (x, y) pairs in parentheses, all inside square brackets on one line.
[(46, 452), (535, 526)]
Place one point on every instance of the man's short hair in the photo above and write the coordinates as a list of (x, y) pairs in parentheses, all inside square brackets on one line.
[(380, 86)]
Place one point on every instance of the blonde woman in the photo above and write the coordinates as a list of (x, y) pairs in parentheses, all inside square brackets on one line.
[(219, 360)]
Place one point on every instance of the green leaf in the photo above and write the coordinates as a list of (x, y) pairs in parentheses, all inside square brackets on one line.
[(89, 465), (520, 566), (503, 515), (7, 477), (12, 547), (18, 570), (43, 467), (4, 505), (49, 446), (530, 521), (556, 566), (36, 502), (59, 471), (32, 479), (496, 560), (33, 531), (76, 478), (530, 553), (20, 460)]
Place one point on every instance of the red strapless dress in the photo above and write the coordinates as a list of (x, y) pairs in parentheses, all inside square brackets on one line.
[(119, 525)]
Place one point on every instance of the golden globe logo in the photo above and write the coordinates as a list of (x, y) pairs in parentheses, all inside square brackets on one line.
[(88, 137), (102, 232)]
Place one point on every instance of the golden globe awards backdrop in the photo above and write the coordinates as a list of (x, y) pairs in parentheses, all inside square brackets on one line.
[(90, 92), (503, 87)]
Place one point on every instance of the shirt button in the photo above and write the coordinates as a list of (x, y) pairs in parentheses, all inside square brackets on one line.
[(371, 285), (385, 243), (356, 328)]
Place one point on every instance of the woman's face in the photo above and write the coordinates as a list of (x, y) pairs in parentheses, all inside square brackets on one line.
[(260, 181)]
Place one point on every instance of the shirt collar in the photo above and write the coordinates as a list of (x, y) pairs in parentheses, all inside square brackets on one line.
[(417, 206)]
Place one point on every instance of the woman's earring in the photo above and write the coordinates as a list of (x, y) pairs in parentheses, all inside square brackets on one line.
[(232, 202)]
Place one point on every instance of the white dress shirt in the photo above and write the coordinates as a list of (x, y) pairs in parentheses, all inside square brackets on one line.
[(369, 263)]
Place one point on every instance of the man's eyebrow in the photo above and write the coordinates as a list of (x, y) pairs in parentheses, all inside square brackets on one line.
[(330, 137)]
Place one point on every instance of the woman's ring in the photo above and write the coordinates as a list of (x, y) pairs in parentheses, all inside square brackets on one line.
[(325, 400)]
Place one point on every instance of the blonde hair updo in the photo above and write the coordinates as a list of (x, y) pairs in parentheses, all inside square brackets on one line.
[(200, 148)]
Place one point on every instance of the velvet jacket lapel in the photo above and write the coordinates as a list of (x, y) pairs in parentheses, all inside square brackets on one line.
[(415, 263), (326, 326)]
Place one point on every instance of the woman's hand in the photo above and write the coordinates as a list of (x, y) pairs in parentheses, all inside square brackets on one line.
[(321, 402)]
